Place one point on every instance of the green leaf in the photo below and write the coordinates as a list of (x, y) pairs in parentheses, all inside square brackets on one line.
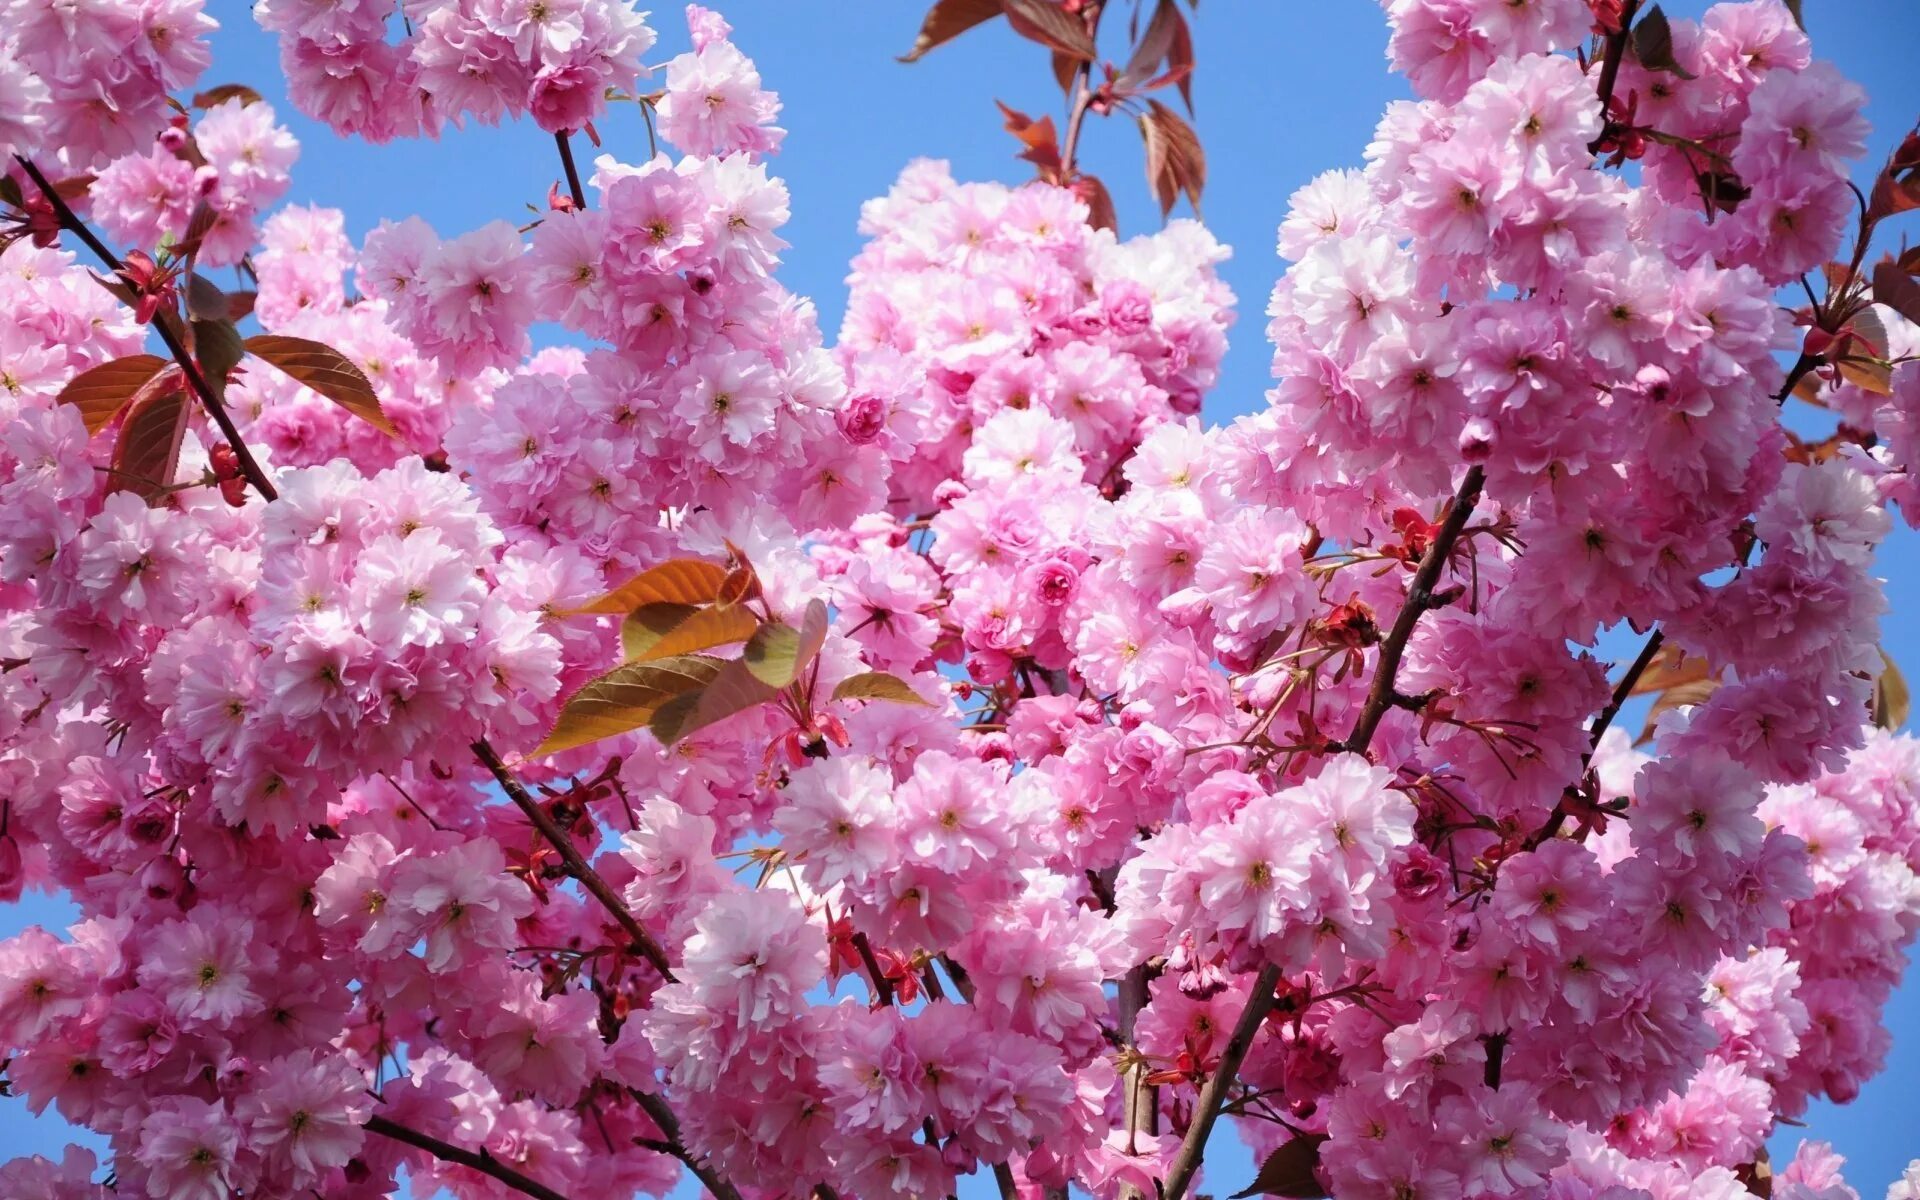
[(664, 630), (878, 685), (626, 698), (679, 581), (1891, 700), (326, 371), (777, 653), (101, 392), (1288, 1171)]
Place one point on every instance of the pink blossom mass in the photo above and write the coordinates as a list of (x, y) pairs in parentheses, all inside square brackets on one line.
[(832, 763)]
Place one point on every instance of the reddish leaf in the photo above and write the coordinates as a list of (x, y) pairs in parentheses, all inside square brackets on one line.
[(679, 581), (1897, 189), (149, 447), (224, 93), (1289, 1171), (1167, 40), (1175, 161), (742, 584), (1046, 22), (1065, 68), (100, 392), (948, 19), (1042, 148), (326, 371), (1100, 210), (1653, 44), (1896, 289)]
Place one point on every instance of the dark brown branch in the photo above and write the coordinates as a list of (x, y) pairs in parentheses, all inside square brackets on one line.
[(1610, 72), (188, 367), (577, 865), (564, 140), (1206, 1110), (882, 986), (662, 1114), (1624, 688), (1419, 599), (478, 1160), (1186, 1160)]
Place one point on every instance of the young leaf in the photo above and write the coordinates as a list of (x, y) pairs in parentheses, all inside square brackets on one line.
[(697, 629), (205, 300), (1670, 668), (734, 689), (878, 685), (326, 371), (149, 447), (1100, 210), (1042, 147), (1046, 22), (225, 92), (646, 625), (1175, 161), (1891, 700), (100, 392), (1167, 40), (679, 581), (1289, 1171), (1653, 44), (217, 344), (626, 698), (948, 19), (1893, 287), (778, 653), (1678, 696)]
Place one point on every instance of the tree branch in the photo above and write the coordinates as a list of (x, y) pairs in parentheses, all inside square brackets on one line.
[(1186, 1161), (188, 367), (662, 1115), (577, 865), (563, 139), (1206, 1111), (479, 1160), (1610, 72), (1419, 600), (1082, 98)]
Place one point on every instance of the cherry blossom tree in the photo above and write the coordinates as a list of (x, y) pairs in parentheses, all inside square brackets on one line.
[(831, 769)]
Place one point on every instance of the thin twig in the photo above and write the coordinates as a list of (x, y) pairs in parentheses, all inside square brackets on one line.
[(577, 865), (563, 139), (479, 1160)]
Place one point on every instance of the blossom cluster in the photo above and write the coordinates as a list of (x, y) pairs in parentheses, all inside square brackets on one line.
[(1099, 733)]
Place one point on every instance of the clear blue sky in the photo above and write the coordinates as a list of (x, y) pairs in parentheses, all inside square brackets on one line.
[(1284, 89)]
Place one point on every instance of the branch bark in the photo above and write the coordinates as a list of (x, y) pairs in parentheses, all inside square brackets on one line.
[(1419, 600), (564, 140), (478, 1160), (1186, 1161), (662, 1114), (577, 865), (1610, 71)]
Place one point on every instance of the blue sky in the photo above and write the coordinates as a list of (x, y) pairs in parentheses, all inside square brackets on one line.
[(1284, 90)]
